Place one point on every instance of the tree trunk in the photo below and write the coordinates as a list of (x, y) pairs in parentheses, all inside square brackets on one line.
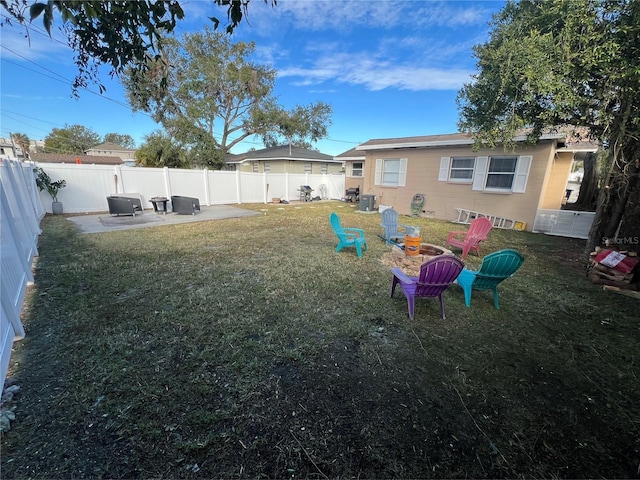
[(618, 212), (587, 198)]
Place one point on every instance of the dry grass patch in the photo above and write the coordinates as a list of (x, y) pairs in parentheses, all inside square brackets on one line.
[(249, 348)]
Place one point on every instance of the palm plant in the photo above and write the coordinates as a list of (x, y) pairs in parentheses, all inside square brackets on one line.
[(43, 181)]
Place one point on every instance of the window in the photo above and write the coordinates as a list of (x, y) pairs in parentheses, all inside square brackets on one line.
[(501, 173), (357, 169), (267, 167), (462, 169), (255, 167), (323, 168), (307, 167), (391, 172)]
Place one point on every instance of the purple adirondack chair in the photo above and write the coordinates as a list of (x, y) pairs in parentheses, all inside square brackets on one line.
[(435, 276)]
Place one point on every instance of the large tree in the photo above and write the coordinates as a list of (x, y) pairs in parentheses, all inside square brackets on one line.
[(215, 96), (551, 63), (71, 139), (123, 139), (160, 150), (115, 33)]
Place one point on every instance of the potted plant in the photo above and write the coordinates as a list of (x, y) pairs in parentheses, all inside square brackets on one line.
[(43, 181)]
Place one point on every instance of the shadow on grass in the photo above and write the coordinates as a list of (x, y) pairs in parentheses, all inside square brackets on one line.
[(249, 348)]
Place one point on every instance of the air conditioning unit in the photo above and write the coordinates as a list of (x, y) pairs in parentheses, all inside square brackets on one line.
[(367, 203)]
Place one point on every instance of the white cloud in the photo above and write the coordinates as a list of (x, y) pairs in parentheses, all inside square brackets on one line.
[(376, 74), (32, 44), (346, 15)]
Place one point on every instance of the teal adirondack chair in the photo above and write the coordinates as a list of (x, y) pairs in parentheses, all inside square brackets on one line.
[(393, 231), (496, 267), (348, 237)]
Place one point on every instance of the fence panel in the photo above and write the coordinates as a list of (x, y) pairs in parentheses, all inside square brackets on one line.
[(89, 185), (223, 187), (564, 223), (20, 217)]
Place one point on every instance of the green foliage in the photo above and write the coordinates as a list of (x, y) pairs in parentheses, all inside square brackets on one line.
[(215, 97), (118, 33), (160, 150), (553, 63), (301, 126), (44, 182), (74, 139), (124, 140)]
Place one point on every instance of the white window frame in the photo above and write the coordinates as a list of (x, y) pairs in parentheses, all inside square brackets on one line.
[(520, 174), (324, 168), (356, 171), (453, 168), (307, 167), (255, 167), (501, 174), (267, 167), (391, 172)]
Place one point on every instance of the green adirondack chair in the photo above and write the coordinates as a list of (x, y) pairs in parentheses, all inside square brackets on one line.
[(496, 267), (348, 237)]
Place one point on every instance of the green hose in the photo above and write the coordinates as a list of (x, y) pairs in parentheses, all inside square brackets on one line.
[(417, 203)]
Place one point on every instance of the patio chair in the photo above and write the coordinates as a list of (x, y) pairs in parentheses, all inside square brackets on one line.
[(496, 267), (185, 205), (391, 226), (348, 237), (124, 205), (435, 277), (470, 240)]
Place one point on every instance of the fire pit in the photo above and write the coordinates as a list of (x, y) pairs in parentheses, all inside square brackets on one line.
[(411, 264)]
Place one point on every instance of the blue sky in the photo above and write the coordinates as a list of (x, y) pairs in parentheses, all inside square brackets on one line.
[(388, 68)]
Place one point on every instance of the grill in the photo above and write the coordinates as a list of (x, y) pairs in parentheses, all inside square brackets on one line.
[(305, 193), (352, 194)]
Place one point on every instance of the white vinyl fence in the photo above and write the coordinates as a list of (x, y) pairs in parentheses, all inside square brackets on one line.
[(88, 186), (20, 215), (564, 223)]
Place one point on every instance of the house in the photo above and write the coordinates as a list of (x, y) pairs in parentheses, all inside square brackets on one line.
[(443, 177), (353, 168), (284, 159), (79, 158), (112, 150)]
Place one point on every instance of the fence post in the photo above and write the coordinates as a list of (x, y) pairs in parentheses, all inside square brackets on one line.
[(205, 173), (238, 189), (167, 182)]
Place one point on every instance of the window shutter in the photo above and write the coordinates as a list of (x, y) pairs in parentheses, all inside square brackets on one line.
[(378, 179), (443, 176), (522, 174), (402, 177), (480, 173)]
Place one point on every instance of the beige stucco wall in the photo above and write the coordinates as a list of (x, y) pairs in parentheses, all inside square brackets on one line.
[(557, 178), (442, 198), (353, 182)]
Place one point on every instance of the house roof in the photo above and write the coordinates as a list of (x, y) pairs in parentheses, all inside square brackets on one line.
[(351, 154), (445, 140), (70, 158), (282, 152), (111, 147)]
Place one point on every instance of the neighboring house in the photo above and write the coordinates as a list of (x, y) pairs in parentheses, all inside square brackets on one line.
[(353, 168), (70, 158), (8, 148), (112, 150), (284, 159), (451, 177)]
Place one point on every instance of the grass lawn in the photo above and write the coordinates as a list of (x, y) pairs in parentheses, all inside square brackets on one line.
[(248, 348)]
